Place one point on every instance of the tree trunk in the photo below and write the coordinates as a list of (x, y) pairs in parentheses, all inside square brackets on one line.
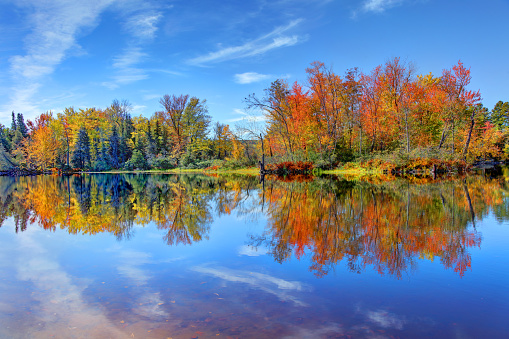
[(406, 131), (262, 164), (444, 135), (360, 143), (472, 122), (452, 137)]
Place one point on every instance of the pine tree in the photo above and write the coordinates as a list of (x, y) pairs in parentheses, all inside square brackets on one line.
[(500, 114), (14, 126), (151, 147), (21, 125), (126, 128), (81, 154), (157, 137), (114, 150)]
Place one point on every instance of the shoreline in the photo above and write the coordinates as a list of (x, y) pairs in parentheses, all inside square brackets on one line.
[(352, 169)]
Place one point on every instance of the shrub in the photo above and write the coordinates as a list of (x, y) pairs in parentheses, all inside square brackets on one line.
[(163, 163)]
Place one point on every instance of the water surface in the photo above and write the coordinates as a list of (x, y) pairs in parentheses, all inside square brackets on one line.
[(168, 256)]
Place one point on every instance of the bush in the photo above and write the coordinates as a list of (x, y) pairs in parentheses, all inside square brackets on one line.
[(322, 164), (290, 167), (162, 163), (137, 161)]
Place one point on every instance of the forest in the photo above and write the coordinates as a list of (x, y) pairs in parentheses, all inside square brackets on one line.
[(390, 114)]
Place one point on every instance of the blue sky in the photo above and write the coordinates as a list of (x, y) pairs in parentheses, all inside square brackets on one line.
[(56, 54)]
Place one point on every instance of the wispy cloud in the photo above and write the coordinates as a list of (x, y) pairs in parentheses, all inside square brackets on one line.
[(54, 27), (272, 40), (126, 72), (250, 77), (130, 57), (380, 5), (243, 116), (141, 24)]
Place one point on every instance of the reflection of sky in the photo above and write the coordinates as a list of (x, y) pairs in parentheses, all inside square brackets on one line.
[(147, 302), (252, 251), (58, 297), (283, 289), (58, 278)]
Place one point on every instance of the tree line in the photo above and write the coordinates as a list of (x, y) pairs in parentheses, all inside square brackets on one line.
[(327, 120), (180, 135), (335, 118)]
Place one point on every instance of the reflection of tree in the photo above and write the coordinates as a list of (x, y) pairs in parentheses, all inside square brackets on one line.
[(385, 226), (91, 204)]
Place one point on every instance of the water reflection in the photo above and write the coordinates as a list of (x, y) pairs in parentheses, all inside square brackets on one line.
[(387, 226)]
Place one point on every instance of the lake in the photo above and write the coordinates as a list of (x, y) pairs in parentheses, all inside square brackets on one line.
[(195, 256)]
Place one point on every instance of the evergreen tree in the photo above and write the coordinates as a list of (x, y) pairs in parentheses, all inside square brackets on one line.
[(14, 126), (500, 114), (157, 137), (164, 142), (4, 138), (114, 151), (21, 125), (151, 147), (81, 154), (127, 128), (102, 162)]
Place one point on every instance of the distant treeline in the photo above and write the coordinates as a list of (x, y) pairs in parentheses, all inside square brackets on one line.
[(389, 113)]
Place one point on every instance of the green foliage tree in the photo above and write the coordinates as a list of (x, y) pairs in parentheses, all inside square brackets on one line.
[(114, 150), (81, 153), (500, 114), (21, 126)]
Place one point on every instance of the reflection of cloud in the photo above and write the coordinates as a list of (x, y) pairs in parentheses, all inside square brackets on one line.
[(252, 251), (61, 308), (383, 318), (276, 286), (258, 46), (327, 331), (147, 303), (386, 319)]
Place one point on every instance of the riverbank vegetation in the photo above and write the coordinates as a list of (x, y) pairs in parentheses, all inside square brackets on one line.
[(388, 118)]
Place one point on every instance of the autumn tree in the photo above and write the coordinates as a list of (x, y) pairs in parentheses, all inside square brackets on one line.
[(275, 106), (173, 115)]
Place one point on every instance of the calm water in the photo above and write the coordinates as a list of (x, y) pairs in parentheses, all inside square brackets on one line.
[(167, 256)]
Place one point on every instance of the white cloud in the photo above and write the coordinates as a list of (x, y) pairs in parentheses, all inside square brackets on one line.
[(127, 76), (272, 40), (250, 77), (380, 5), (151, 96), (143, 26), (54, 27), (130, 57), (246, 117)]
